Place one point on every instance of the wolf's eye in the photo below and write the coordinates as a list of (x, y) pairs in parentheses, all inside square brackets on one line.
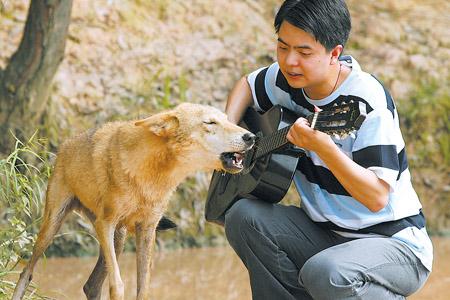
[(209, 122)]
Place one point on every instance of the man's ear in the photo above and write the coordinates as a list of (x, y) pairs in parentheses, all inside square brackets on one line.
[(162, 124), (335, 53)]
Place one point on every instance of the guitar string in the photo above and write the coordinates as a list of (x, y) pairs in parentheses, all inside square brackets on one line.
[(278, 139)]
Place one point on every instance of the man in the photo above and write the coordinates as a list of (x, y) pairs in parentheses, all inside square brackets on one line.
[(360, 232)]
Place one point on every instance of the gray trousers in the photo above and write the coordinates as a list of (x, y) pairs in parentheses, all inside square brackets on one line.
[(290, 257)]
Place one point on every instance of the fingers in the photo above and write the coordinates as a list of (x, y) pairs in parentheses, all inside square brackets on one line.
[(289, 137), (303, 136), (297, 132), (302, 122)]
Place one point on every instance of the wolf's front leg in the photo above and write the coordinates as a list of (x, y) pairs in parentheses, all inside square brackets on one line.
[(145, 240), (105, 233)]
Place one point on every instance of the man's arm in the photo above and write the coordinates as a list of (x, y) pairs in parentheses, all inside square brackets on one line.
[(361, 183), (239, 99)]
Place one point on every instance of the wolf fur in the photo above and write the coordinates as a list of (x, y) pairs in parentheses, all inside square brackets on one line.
[(121, 177)]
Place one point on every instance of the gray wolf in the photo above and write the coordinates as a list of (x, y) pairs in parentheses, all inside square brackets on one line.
[(121, 177)]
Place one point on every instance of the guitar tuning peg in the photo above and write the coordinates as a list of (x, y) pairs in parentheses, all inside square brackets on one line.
[(336, 136), (344, 136), (352, 135), (343, 103), (351, 101), (335, 104)]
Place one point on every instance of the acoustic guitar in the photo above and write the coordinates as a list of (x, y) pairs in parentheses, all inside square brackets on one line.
[(270, 165)]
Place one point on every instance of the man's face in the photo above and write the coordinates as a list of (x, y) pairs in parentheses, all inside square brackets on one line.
[(303, 61)]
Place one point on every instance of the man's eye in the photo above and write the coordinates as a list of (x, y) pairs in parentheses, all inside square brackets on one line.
[(305, 54)]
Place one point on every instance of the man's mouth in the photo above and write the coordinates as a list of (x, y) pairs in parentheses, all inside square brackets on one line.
[(294, 75)]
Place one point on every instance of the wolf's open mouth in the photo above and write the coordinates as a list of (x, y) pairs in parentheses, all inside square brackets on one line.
[(232, 161)]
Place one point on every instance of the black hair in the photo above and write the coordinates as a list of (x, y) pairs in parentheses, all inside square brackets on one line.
[(328, 21)]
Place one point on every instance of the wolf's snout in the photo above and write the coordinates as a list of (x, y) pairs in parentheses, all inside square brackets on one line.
[(249, 138)]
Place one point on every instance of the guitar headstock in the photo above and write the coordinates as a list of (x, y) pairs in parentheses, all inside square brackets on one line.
[(341, 119)]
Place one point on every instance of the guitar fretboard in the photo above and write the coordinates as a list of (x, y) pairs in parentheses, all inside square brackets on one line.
[(272, 142), (330, 122)]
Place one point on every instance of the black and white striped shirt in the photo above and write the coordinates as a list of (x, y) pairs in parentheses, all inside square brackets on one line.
[(378, 146)]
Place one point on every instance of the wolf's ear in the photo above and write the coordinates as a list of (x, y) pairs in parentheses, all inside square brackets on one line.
[(162, 124)]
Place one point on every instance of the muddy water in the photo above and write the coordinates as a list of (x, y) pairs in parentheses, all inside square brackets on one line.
[(211, 273)]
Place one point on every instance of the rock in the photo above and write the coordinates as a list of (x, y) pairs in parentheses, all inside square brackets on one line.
[(419, 62)]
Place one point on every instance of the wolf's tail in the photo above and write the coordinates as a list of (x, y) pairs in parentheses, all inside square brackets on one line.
[(165, 224)]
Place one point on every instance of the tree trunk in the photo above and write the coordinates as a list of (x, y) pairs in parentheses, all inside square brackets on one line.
[(25, 83)]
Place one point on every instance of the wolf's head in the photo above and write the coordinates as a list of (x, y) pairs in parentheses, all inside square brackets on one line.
[(203, 136)]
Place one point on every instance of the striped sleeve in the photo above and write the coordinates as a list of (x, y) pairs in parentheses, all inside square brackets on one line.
[(261, 83), (379, 146)]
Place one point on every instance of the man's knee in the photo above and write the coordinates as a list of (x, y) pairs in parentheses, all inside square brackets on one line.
[(324, 278), (244, 214), (237, 218)]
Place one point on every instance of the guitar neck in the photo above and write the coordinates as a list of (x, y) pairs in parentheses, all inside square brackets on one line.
[(272, 142), (339, 120), (278, 139)]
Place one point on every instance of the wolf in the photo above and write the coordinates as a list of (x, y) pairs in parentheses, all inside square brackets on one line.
[(121, 176)]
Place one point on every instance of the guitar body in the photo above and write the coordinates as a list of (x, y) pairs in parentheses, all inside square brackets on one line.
[(268, 178), (270, 165)]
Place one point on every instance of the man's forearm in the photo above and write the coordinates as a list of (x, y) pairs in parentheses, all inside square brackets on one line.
[(239, 99), (361, 183)]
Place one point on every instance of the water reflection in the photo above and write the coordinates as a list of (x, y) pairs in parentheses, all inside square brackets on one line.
[(211, 273)]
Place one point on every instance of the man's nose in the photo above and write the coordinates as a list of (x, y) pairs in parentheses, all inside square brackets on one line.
[(292, 59), (249, 138)]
